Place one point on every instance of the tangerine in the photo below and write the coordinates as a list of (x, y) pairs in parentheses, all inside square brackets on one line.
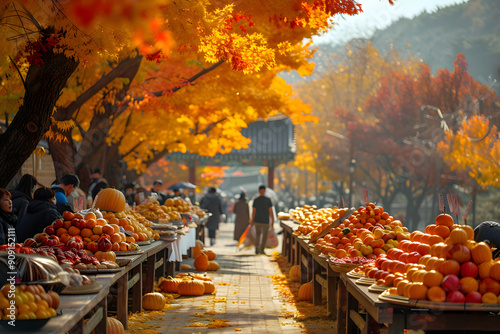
[(73, 230), (417, 291), (444, 219), (458, 236), (436, 294), (432, 278), (442, 230)]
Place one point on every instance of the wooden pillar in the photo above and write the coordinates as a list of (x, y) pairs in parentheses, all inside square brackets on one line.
[(270, 174)]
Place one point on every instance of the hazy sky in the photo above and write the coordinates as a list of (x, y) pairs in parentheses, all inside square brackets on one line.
[(377, 14)]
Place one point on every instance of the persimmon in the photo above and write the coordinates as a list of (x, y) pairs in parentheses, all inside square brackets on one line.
[(444, 219), (436, 294), (432, 278), (417, 291), (442, 230), (458, 236)]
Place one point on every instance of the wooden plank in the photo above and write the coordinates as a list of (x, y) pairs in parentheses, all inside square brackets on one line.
[(131, 282), (150, 274), (331, 297), (342, 310), (321, 281), (334, 224), (317, 287), (159, 263), (357, 319), (93, 321)]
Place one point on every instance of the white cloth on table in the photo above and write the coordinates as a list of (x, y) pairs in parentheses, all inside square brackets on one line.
[(182, 245)]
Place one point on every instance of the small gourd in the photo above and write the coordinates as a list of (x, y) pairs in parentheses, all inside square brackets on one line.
[(209, 286), (114, 326), (170, 285), (153, 301), (105, 256), (294, 273)]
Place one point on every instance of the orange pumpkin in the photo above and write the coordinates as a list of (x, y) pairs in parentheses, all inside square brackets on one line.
[(106, 256), (211, 255), (170, 284), (306, 292), (110, 199), (153, 301), (191, 287), (213, 266), (294, 273), (186, 266), (201, 262), (114, 326), (209, 286)]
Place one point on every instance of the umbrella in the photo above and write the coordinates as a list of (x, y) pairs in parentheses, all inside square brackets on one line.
[(182, 185)]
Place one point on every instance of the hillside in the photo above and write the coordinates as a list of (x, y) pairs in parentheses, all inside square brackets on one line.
[(471, 28)]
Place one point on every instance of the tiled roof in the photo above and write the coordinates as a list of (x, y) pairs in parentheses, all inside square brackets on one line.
[(271, 140)]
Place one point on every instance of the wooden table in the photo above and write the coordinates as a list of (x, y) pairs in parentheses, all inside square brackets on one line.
[(397, 318), (325, 278), (290, 243)]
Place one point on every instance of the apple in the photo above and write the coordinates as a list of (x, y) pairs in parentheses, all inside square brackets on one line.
[(68, 215), (469, 269), (413, 257), (81, 224), (474, 297), (455, 297), (389, 236), (49, 230), (489, 285), (58, 223), (450, 283), (459, 252), (74, 221)]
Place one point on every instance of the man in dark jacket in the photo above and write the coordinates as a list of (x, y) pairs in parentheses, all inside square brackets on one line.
[(213, 204), (40, 214), (262, 219), (63, 189)]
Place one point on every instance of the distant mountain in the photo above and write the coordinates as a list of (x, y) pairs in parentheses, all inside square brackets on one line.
[(472, 28)]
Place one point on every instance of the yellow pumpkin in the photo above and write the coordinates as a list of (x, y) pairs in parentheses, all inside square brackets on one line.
[(294, 273), (306, 292), (114, 326), (191, 287), (153, 301), (170, 284), (105, 256), (110, 199), (201, 262), (213, 266)]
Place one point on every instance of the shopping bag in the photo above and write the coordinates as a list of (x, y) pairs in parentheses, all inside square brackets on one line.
[(272, 239), (243, 236)]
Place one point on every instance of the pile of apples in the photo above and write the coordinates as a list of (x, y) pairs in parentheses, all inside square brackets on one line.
[(442, 264), (23, 302), (75, 231), (368, 232), (313, 221)]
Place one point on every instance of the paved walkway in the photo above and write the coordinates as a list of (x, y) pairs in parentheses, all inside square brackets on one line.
[(246, 300)]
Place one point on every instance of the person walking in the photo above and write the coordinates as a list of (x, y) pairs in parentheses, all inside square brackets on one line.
[(8, 220), (262, 219), (242, 212), (22, 194), (41, 213), (213, 204)]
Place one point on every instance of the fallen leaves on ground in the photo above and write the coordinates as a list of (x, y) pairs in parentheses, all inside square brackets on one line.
[(143, 322)]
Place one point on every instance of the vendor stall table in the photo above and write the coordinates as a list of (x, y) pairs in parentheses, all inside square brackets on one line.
[(398, 317), (290, 242)]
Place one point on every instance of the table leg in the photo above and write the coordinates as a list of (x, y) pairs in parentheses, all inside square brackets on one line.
[(352, 304), (398, 323), (150, 273), (122, 300), (342, 310), (317, 288), (102, 325), (310, 267), (332, 282)]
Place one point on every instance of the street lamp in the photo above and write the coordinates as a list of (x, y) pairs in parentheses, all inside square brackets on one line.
[(352, 169)]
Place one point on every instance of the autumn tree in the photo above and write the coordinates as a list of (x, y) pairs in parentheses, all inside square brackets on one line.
[(341, 84), (48, 40)]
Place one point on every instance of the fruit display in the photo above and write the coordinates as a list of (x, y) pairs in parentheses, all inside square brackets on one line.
[(135, 227), (153, 210), (178, 204), (367, 232), (313, 221), (24, 302), (441, 264)]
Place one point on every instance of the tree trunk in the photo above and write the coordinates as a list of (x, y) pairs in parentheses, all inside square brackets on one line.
[(62, 154), (43, 86)]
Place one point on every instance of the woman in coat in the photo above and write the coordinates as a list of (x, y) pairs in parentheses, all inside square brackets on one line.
[(7, 219), (23, 194), (242, 212), (42, 211), (213, 204)]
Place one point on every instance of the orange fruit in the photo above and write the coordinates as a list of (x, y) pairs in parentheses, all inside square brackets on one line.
[(430, 229), (101, 221), (60, 231), (78, 215), (489, 298), (115, 227), (458, 236), (129, 228), (340, 253), (442, 230), (123, 236), (91, 223), (90, 215), (444, 219), (123, 222), (435, 239), (417, 291), (124, 246), (97, 230), (116, 238), (67, 224), (142, 236), (436, 294), (129, 239), (64, 238), (95, 237), (432, 278), (86, 233), (73, 230), (115, 247), (114, 221), (108, 230)]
